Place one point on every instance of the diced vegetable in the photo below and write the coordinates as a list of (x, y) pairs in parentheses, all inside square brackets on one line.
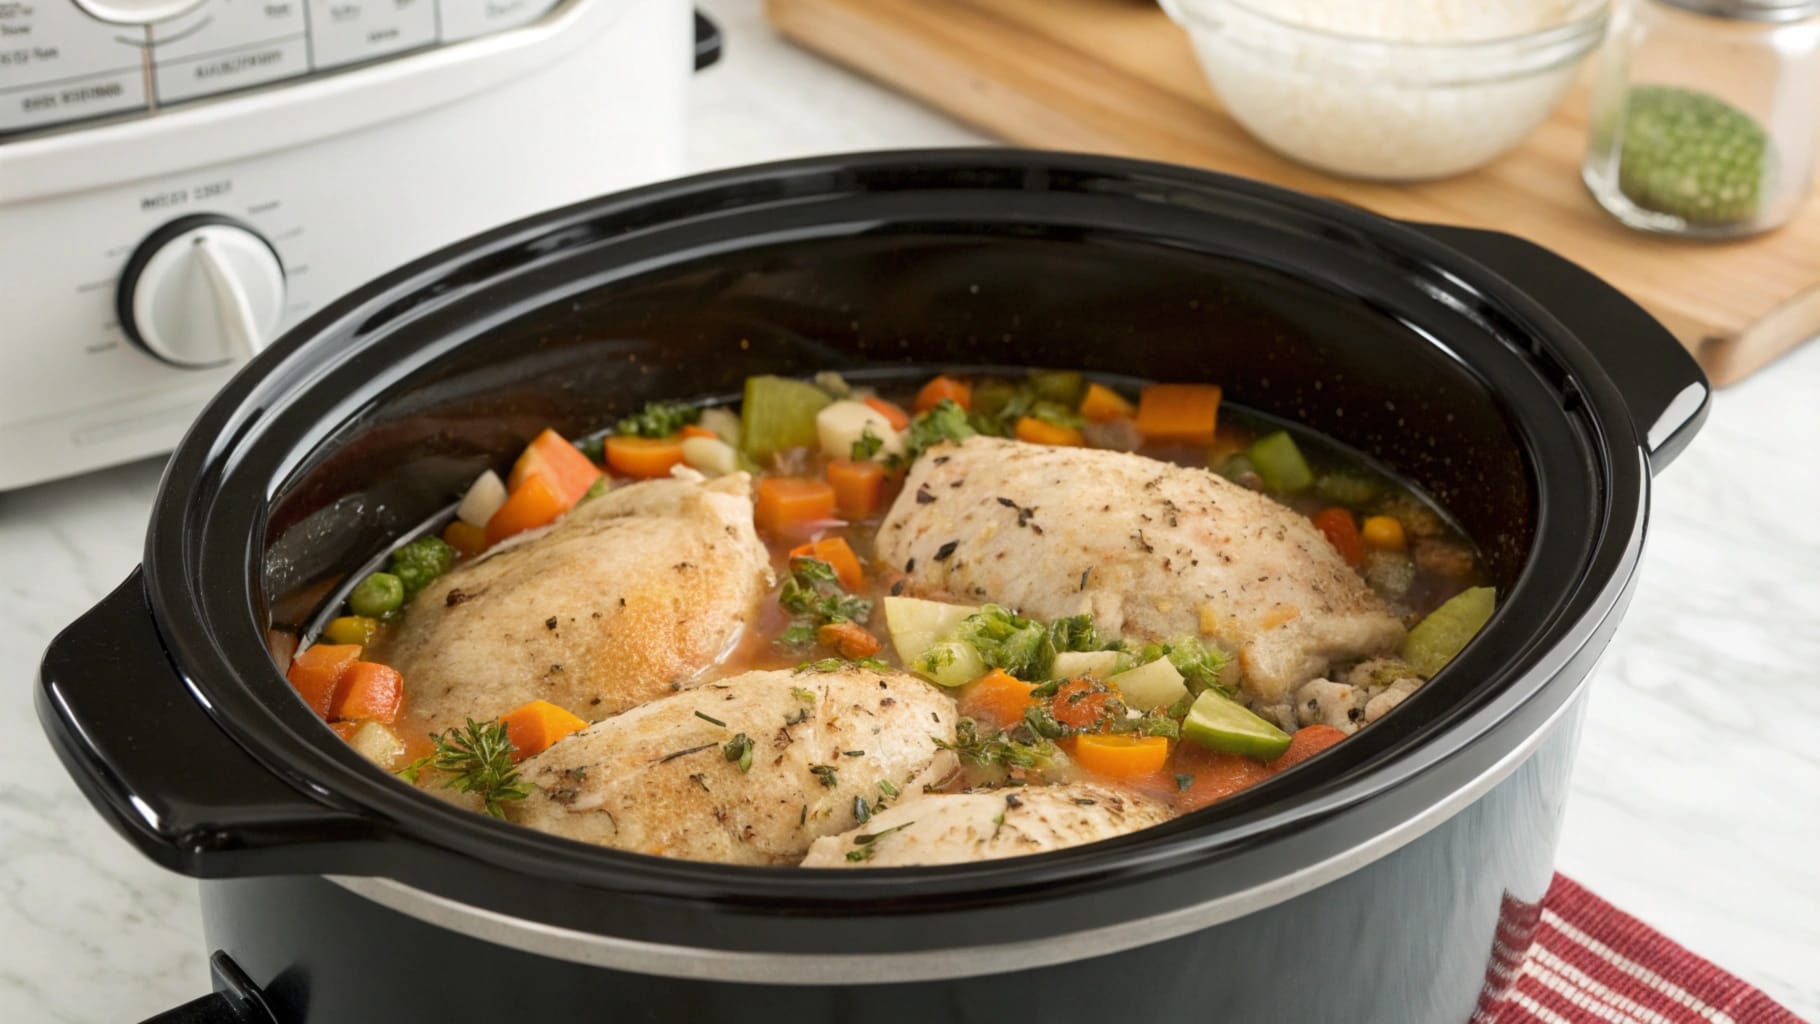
[(945, 422), (779, 414), (859, 487), (1036, 431), (944, 389), (843, 423), (998, 699), (345, 730), (1279, 463), (1308, 741), (418, 563), (1389, 572), (710, 455), (484, 497), (949, 663), (1353, 490), (1103, 405), (1066, 388), (358, 630), (991, 396), (532, 728), (1219, 723), (368, 690), (1157, 684), (694, 431), (723, 423), (1448, 629), (536, 504), (852, 640), (917, 625), (317, 673), (1384, 533), (1337, 525), (1076, 664), (1122, 756), (891, 411), (1214, 776), (658, 419), (1179, 413), (837, 553), (644, 458), (787, 505), (467, 540), (568, 472), (1083, 705), (378, 596), (377, 743)]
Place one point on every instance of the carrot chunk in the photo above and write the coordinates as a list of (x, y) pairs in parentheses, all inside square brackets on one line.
[(789, 504), (551, 456), (535, 504), (1179, 413), (533, 727), (891, 411), (998, 699), (466, 538), (1337, 524), (1213, 776), (1304, 743), (851, 639), (1081, 704), (1121, 756), (369, 690), (957, 391), (859, 487), (317, 673), (695, 430), (645, 458), (1103, 405), (837, 553), (1036, 431)]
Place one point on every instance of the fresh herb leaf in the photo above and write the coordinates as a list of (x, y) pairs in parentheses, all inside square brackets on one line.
[(710, 719), (658, 419), (478, 759), (806, 696), (827, 773), (995, 749), (594, 448), (885, 787), (1009, 641), (946, 421), (1182, 782), (796, 637), (1202, 667), (739, 751), (813, 593), (867, 446), (840, 664), (865, 845), (862, 810)]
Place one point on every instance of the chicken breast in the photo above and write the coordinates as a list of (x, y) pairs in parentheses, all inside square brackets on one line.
[(956, 828), (1151, 550), (628, 598), (666, 778)]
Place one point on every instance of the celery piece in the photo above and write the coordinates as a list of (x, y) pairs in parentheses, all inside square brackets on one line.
[(1063, 387), (1219, 723), (1075, 664), (1448, 629), (950, 663), (779, 414), (1279, 463)]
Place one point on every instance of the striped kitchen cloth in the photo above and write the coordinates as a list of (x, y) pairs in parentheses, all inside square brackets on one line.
[(1576, 959)]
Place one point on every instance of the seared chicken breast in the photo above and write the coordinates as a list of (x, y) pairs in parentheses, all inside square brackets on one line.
[(629, 597), (1151, 550), (957, 828), (746, 770)]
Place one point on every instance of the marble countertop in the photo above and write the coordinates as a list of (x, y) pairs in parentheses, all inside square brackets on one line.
[(1696, 798)]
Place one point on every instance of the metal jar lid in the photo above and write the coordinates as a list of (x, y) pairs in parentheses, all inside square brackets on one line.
[(1751, 10)]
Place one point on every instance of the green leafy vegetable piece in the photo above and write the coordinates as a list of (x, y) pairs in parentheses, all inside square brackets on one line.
[(779, 414), (867, 446), (658, 419), (1279, 463), (1202, 667), (996, 749), (1009, 641), (1448, 629), (945, 421)]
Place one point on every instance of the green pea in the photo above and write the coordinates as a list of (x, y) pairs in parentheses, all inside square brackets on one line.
[(378, 596)]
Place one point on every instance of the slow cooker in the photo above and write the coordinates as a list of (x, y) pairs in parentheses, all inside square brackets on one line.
[(181, 180), (1369, 885)]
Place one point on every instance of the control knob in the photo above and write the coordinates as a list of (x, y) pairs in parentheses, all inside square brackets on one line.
[(202, 291)]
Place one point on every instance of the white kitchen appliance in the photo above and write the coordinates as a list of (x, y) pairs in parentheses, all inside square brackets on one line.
[(181, 180)]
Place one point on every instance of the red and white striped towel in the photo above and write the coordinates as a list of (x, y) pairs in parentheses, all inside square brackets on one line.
[(1576, 958)]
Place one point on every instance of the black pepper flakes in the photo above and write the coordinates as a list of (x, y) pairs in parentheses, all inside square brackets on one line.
[(946, 551), (550, 623), (923, 497)]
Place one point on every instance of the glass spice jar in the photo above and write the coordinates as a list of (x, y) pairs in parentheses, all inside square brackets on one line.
[(1705, 115)]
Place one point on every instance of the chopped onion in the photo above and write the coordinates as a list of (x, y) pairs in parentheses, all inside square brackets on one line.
[(484, 497), (710, 455)]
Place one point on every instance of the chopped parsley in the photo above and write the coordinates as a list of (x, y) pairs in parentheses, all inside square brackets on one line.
[(996, 749), (945, 421), (867, 446), (739, 751), (838, 664), (1025, 647), (862, 810), (658, 419), (866, 845), (826, 774)]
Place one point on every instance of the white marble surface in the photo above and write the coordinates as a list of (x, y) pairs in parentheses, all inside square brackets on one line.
[(1696, 802)]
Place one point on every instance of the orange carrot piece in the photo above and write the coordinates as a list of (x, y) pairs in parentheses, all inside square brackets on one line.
[(1121, 756), (1213, 776), (1342, 532), (786, 505), (859, 487), (317, 673), (535, 504), (695, 430), (837, 553), (957, 391), (466, 538), (998, 699), (533, 727), (899, 419), (552, 457), (645, 458), (1179, 413), (1103, 405), (1081, 704), (851, 639), (1036, 431), (369, 690), (1304, 743)]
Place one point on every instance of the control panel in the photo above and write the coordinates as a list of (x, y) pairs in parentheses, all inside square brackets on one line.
[(72, 60)]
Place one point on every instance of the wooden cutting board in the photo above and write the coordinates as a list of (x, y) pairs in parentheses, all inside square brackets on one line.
[(1117, 76)]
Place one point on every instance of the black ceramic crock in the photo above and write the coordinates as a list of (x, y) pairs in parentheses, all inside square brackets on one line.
[(1367, 885)]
